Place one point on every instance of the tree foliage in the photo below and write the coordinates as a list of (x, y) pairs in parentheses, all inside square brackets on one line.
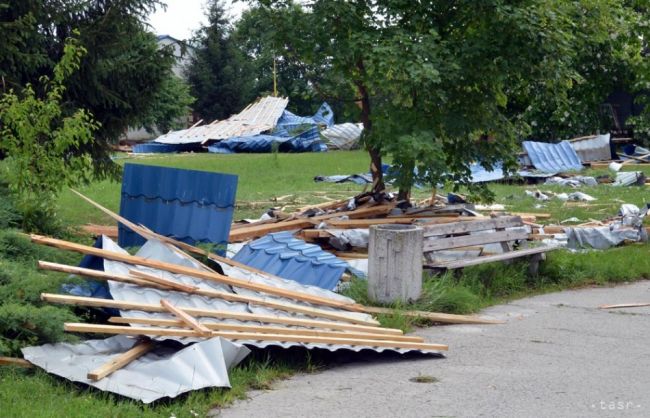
[(170, 106), (118, 77), (40, 142), (219, 75)]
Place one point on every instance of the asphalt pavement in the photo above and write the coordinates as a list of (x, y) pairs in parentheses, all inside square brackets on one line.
[(558, 355)]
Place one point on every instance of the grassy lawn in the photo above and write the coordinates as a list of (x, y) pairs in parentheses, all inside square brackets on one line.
[(263, 178)]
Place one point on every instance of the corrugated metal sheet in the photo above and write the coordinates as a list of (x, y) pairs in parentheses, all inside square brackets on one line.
[(158, 251), (480, 174), (344, 136), (306, 141), (164, 372), (628, 178), (283, 255), (552, 158), (258, 117), (189, 205), (593, 149)]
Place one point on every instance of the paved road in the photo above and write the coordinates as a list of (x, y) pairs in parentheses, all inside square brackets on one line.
[(558, 356)]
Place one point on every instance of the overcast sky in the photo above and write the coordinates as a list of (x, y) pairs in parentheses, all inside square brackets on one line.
[(182, 17)]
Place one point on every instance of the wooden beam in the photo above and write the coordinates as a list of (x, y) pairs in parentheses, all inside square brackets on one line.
[(365, 223), (95, 230), (175, 268), (15, 361), (466, 227), (255, 231), (212, 313), (263, 329), (257, 336), (150, 280), (135, 352), (625, 305), (186, 318), (469, 240), (492, 258)]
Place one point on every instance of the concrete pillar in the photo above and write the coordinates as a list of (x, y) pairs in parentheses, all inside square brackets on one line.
[(395, 263)]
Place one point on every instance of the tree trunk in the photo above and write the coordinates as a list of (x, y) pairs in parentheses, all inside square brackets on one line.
[(373, 151)]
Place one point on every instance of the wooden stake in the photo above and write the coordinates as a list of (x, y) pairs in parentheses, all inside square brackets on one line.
[(435, 316), (264, 329), (15, 361), (241, 316), (186, 318), (625, 305), (115, 329), (120, 361)]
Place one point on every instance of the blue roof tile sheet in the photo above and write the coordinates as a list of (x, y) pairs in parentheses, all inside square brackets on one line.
[(283, 255), (188, 205)]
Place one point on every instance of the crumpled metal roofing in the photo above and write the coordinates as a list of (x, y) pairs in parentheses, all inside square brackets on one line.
[(552, 158), (628, 178), (258, 117), (189, 205), (344, 136), (593, 149), (283, 255), (165, 371), (306, 141), (480, 174), (159, 251)]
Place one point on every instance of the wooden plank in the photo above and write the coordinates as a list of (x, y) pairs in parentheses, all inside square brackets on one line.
[(466, 227), (625, 305), (532, 215), (492, 258), (96, 230), (186, 318), (175, 268), (315, 233), (122, 360), (264, 329), (212, 313), (254, 231), (468, 240), (257, 336), (437, 316), (15, 361), (365, 223), (232, 297)]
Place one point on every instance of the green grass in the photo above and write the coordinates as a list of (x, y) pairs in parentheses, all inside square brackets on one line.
[(262, 179)]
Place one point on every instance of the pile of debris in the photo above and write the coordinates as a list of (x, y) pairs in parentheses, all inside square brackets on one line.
[(262, 127)]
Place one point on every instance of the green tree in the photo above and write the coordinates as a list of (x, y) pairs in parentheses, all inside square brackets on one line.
[(40, 141), (219, 75), (441, 84), (119, 76), (170, 105)]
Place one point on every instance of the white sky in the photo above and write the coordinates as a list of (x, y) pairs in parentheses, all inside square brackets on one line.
[(183, 17)]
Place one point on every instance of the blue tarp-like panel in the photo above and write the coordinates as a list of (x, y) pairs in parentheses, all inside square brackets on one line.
[(188, 205), (480, 174), (553, 158), (153, 147), (283, 255), (307, 141)]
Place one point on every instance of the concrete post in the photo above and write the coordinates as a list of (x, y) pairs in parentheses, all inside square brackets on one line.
[(395, 263)]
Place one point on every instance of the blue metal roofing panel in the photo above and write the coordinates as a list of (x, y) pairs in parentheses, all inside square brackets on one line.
[(189, 205), (283, 255), (153, 147), (553, 158), (306, 141), (480, 174)]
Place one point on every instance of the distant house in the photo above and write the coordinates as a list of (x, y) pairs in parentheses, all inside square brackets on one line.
[(183, 52)]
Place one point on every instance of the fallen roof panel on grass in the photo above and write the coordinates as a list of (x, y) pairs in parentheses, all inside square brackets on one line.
[(258, 117), (553, 158), (167, 371)]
